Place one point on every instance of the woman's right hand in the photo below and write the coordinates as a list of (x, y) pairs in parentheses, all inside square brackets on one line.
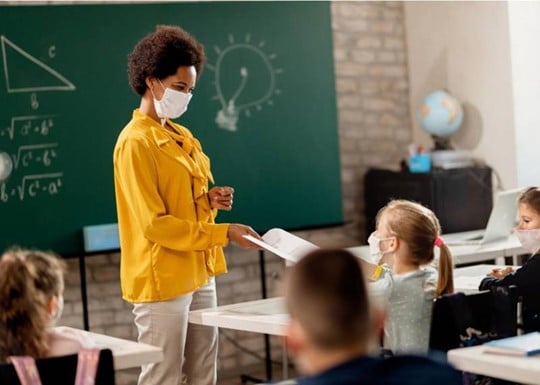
[(236, 234)]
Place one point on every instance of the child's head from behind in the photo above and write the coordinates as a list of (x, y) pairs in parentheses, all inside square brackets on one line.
[(50, 281), (328, 305), (411, 223), (50, 267), (23, 309), (49, 278)]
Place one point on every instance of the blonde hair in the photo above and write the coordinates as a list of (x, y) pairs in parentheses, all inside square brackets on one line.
[(418, 226)]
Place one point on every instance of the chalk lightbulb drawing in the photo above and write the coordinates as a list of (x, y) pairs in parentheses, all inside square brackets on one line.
[(245, 80)]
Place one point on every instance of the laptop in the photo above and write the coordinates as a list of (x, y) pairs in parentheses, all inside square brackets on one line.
[(501, 222)]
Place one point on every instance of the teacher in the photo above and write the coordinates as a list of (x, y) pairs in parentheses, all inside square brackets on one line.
[(171, 246)]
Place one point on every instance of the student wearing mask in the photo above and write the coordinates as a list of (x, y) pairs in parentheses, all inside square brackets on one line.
[(172, 248), (331, 332), (404, 279), (527, 277)]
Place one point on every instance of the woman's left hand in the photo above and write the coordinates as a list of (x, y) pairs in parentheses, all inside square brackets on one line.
[(221, 198), (501, 272)]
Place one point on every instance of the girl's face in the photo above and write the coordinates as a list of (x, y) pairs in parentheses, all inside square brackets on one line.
[(529, 218)]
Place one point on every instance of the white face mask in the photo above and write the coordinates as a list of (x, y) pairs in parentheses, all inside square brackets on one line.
[(375, 248), (59, 309), (172, 104), (530, 239)]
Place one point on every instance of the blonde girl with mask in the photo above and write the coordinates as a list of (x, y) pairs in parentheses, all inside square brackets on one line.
[(30, 301), (527, 277), (404, 275)]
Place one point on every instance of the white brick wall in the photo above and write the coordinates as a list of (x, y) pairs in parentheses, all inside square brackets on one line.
[(374, 130)]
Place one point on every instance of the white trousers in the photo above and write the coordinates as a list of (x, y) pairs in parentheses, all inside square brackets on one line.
[(189, 351)]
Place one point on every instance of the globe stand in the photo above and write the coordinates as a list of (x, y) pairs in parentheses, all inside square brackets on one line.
[(441, 143)]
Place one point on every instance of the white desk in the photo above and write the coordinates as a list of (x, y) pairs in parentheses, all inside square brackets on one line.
[(126, 353), (269, 316), (493, 250), (468, 278), (525, 370), (470, 253)]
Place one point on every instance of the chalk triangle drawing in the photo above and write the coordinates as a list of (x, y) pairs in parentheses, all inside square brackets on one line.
[(25, 73)]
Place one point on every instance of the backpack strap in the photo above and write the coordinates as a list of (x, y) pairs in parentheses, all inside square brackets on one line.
[(26, 369), (87, 367)]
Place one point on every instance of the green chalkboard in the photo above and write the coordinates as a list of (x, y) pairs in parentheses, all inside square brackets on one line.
[(264, 111)]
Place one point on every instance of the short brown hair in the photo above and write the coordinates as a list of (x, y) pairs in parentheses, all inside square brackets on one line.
[(531, 198), (160, 53), (326, 293)]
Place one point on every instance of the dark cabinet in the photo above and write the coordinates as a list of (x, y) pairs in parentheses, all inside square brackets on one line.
[(461, 198)]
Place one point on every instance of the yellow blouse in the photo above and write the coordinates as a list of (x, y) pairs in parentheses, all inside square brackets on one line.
[(170, 244)]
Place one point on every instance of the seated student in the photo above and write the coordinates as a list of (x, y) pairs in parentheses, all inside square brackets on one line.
[(31, 301), (331, 330), (527, 277), (50, 282), (405, 237)]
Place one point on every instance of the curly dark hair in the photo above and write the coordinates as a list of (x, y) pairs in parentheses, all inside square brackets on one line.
[(160, 53)]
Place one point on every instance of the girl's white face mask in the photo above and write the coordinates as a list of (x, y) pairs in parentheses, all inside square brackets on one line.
[(530, 239), (172, 104), (375, 248)]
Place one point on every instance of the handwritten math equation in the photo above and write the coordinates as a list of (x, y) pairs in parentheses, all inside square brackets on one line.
[(33, 167)]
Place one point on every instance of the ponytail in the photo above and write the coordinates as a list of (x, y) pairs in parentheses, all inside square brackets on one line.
[(445, 284)]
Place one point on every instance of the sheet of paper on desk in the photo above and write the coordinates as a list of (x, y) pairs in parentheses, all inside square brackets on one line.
[(284, 244), (467, 284)]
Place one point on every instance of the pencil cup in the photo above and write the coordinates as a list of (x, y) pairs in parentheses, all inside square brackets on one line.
[(420, 163)]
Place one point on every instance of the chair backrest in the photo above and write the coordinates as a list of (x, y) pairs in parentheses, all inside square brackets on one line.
[(62, 370), (460, 319)]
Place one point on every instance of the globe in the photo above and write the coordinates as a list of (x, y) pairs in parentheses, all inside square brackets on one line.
[(440, 114)]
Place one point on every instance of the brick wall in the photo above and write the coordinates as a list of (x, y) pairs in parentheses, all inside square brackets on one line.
[(374, 130)]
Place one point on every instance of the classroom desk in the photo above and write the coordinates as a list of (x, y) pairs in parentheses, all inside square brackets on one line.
[(466, 254), (495, 250), (126, 353), (468, 278), (525, 370), (269, 316)]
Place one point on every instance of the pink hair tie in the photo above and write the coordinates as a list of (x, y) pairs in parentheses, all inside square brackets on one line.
[(438, 242)]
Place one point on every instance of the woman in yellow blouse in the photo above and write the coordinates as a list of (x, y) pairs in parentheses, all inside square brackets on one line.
[(171, 246)]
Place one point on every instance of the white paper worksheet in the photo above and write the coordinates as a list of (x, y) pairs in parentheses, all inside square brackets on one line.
[(284, 244)]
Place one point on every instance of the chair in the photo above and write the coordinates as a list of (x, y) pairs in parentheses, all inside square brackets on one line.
[(460, 320), (62, 370)]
